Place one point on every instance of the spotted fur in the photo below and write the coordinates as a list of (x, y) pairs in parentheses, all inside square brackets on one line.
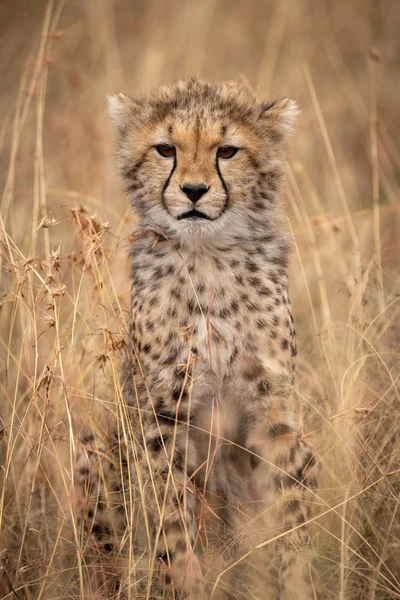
[(212, 338)]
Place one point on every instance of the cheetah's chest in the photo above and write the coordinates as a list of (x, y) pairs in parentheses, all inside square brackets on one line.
[(208, 311), (183, 309), (214, 310)]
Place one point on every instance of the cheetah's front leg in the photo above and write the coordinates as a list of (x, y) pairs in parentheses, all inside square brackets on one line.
[(284, 477), (167, 462)]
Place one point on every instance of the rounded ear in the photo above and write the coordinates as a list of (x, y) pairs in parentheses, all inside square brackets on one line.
[(280, 115), (121, 109)]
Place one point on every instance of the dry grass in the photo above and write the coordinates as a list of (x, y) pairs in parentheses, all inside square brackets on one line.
[(64, 292)]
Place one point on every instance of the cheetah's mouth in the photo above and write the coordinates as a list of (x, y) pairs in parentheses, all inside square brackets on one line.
[(194, 214)]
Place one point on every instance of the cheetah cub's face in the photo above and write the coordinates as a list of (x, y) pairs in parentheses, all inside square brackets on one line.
[(197, 157)]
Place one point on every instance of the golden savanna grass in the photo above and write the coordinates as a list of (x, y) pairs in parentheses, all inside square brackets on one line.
[(64, 274)]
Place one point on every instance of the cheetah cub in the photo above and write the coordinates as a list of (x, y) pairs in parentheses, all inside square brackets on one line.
[(212, 340)]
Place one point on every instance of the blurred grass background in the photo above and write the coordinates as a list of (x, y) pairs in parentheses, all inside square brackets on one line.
[(64, 288)]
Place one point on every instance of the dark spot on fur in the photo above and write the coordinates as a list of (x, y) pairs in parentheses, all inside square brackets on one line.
[(252, 307), (156, 444), (234, 305), (171, 358), (264, 291), (175, 293), (180, 372), (254, 461), (277, 429), (252, 371), (251, 266), (281, 260), (150, 325), (301, 519), (177, 393), (222, 292), (263, 386), (154, 301), (299, 475), (254, 281), (218, 263), (97, 532), (259, 205), (170, 337), (233, 355), (165, 415), (165, 557)]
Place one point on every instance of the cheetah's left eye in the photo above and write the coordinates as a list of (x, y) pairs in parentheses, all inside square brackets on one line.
[(227, 152), (166, 150)]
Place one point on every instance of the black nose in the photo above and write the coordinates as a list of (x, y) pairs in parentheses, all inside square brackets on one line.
[(194, 191)]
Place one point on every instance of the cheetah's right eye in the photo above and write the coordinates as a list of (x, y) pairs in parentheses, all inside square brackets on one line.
[(227, 152), (165, 150)]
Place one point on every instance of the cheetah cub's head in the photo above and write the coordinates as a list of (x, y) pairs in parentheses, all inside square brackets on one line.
[(198, 157)]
